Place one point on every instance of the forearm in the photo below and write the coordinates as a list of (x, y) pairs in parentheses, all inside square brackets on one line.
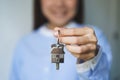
[(94, 69)]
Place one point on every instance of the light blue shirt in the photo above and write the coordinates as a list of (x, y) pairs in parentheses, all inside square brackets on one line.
[(32, 59)]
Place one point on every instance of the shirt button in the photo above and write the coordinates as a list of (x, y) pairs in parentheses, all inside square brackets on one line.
[(93, 62), (87, 66)]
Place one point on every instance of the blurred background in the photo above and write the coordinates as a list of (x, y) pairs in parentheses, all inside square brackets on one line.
[(16, 20)]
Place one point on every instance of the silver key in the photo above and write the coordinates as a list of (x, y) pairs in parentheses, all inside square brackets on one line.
[(57, 53)]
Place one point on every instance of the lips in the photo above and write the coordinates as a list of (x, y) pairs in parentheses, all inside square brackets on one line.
[(59, 13)]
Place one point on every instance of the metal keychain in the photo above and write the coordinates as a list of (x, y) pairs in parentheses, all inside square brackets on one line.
[(57, 52)]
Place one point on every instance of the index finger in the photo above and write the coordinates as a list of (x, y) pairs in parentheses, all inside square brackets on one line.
[(73, 31)]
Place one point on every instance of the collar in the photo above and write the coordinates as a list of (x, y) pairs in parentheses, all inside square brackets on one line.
[(49, 33)]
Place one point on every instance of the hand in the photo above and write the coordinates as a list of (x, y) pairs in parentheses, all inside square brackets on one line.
[(80, 42)]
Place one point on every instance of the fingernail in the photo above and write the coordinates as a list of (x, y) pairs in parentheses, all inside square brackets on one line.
[(56, 33), (56, 28)]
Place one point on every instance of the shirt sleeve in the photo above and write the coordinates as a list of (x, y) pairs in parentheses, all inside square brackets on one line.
[(90, 64), (99, 66), (17, 62)]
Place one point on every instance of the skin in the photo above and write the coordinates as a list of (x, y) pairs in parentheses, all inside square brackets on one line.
[(80, 42), (58, 12)]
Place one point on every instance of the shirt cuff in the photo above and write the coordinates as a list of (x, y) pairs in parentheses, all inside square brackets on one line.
[(90, 64)]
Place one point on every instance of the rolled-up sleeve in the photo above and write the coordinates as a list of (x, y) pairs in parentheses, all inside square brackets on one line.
[(97, 68)]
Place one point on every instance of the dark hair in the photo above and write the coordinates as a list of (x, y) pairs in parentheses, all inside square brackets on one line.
[(39, 18)]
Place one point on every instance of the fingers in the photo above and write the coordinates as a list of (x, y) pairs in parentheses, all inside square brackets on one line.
[(80, 42), (81, 49), (84, 52), (73, 31), (79, 39), (84, 57), (76, 35)]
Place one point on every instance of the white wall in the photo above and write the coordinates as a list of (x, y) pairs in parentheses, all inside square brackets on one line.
[(15, 21)]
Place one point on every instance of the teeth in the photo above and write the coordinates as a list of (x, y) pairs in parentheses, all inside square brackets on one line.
[(59, 14)]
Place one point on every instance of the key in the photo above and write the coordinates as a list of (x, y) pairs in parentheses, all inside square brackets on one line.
[(57, 53)]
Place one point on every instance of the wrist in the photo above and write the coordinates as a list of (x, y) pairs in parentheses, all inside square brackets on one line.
[(80, 61)]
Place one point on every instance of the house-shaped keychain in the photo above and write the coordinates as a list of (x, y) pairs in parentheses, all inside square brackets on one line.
[(57, 54)]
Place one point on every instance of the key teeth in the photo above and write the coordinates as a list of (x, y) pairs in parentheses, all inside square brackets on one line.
[(57, 66), (60, 51)]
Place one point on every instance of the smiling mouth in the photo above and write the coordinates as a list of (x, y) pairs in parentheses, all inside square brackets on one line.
[(59, 14)]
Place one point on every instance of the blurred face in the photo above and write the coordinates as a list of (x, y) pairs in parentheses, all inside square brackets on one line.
[(59, 12)]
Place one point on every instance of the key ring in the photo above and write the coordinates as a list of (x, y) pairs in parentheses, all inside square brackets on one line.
[(58, 41)]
